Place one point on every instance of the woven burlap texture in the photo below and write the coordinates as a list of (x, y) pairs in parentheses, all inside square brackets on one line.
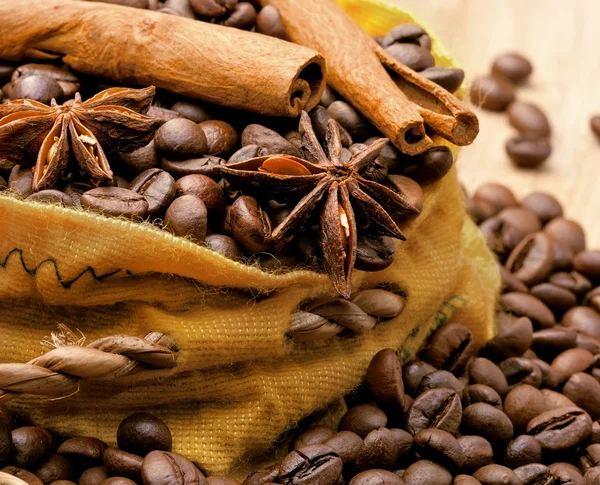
[(239, 382)]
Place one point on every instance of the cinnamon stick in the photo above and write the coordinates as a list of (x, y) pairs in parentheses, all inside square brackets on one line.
[(200, 60)]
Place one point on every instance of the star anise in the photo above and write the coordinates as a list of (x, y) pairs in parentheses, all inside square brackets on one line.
[(326, 184), (110, 122)]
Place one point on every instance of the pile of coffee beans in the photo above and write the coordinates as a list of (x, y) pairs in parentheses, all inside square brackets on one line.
[(496, 92)]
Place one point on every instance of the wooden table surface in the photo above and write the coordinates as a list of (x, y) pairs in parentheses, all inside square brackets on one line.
[(562, 40)]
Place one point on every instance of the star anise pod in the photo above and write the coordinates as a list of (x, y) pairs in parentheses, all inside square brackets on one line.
[(113, 121), (326, 184)]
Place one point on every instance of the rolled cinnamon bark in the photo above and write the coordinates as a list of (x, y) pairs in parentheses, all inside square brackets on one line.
[(212, 63)]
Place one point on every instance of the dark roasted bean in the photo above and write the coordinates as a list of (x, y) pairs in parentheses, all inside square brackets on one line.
[(487, 421), (532, 259), (374, 253), (528, 151), (115, 201), (316, 435), (477, 452), (363, 419), (309, 465), (441, 447), (55, 468), (489, 199), (268, 140), (535, 474), (570, 362), (523, 450), (51, 196), (481, 393), (436, 408), (450, 347), (491, 93), (448, 78), (583, 319), (384, 448), (31, 446), (519, 370), (439, 379), (543, 205), (39, 88), (191, 111), (221, 137), (384, 380), (557, 298), (484, 371), (496, 475), (412, 373), (584, 390), (524, 305), (187, 216), (208, 166), (157, 187), (407, 33), (528, 118), (425, 471), (573, 281), (121, 463), (511, 342), (566, 474), (561, 428), (512, 66), (181, 139), (522, 404), (268, 22), (568, 232), (166, 468), (375, 477), (430, 166), (141, 433), (93, 476), (347, 445)]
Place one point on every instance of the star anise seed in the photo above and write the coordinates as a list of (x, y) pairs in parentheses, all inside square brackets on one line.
[(113, 121), (327, 184)]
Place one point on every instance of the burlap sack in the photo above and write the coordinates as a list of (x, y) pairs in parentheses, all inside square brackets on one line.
[(239, 381)]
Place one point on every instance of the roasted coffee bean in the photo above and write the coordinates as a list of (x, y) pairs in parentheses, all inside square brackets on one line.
[(524, 305), (141, 433), (532, 259), (413, 56), (595, 125), (311, 464), (51, 196), (224, 245), (484, 371), (571, 361), (328, 96), (528, 118), (528, 151), (191, 111), (450, 347), (86, 452), (31, 445), (263, 475), (440, 379), (509, 227), (121, 463), (320, 118), (181, 8), (213, 8), (412, 373), (535, 474), (487, 421), (567, 232), (465, 480), (181, 139), (348, 117), (115, 201), (477, 452), (411, 190), (543, 205), (481, 393), (550, 342), (489, 199), (491, 93), (268, 22), (204, 188), (521, 451), (384, 448), (363, 419), (561, 428), (3, 184), (522, 404), (268, 140), (572, 280), (384, 380), (221, 137), (166, 468), (140, 160), (587, 263), (441, 447), (23, 475), (217, 480), (583, 319), (389, 156), (376, 477), (20, 180), (374, 253), (556, 400), (549, 376), (511, 342), (187, 216), (592, 476), (407, 33), (242, 17), (589, 343), (592, 298), (157, 187), (430, 166), (496, 475), (316, 435), (250, 225), (436, 408), (519, 371), (590, 458), (555, 297), (93, 476), (448, 78), (347, 445), (208, 166), (379, 303), (567, 474), (55, 468), (513, 66), (584, 390), (39, 88), (118, 481), (425, 471)]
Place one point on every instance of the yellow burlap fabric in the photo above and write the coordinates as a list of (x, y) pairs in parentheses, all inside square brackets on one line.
[(239, 382)]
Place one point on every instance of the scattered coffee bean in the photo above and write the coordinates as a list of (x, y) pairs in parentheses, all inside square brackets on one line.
[(268, 140), (491, 93), (221, 137), (528, 151), (181, 139), (413, 56), (374, 253), (205, 189), (348, 117), (497, 475), (448, 78), (191, 111), (384, 380), (532, 260), (435, 408), (543, 205), (513, 66), (20, 180), (120, 463), (376, 477), (142, 433), (268, 22), (384, 448), (407, 33), (157, 187), (430, 166), (523, 403), (568, 232), (363, 419), (441, 447), (311, 464), (561, 428), (595, 125), (425, 471), (521, 451), (528, 118), (115, 201), (51, 196), (55, 468), (487, 421), (524, 305)]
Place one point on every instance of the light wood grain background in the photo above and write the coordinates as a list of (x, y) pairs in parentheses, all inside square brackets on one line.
[(562, 38)]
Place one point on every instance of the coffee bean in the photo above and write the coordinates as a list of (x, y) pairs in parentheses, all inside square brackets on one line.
[(535, 474), (465, 480), (121, 463), (528, 118), (512, 66), (484, 371), (561, 428), (191, 111), (573, 281), (413, 56), (162, 113), (592, 476), (374, 253), (379, 303), (187, 216), (436, 408), (477, 452), (93, 476), (524, 305), (347, 445), (348, 117), (376, 477), (511, 342), (140, 160), (487, 421), (23, 475), (316, 435), (556, 298), (115, 201), (411, 190), (592, 298), (221, 137), (489, 199), (570, 362), (224, 245), (311, 464), (204, 188), (450, 347), (481, 393), (425, 471), (141, 433), (567, 232), (31, 446), (528, 151), (590, 458), (549, 376), (532, 259), (440, 379), (213, 8), (407, 33), (522, 404), (543, 205), (55, 468), (555, 400), (118, 481), (448, 78), (268, 22), (413, 372), (268, 140), (242, 17), (430, 166), (87, 452), (565, 473), (166, 468), (521, 451), (320, 118), (263, 475), (595, 125), (217, 480), (38, 88), (363, 419), (441, 447), (181, 139), (519, 370), (496, 475), (384, 448), (587, 263), (208, 166), (550, 342), (508, 228), (583, 319), (20, 180), (328, 95), (384, 380), (250, 225), (51, 197), (157, 187), (584, 391), (491, 93)]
